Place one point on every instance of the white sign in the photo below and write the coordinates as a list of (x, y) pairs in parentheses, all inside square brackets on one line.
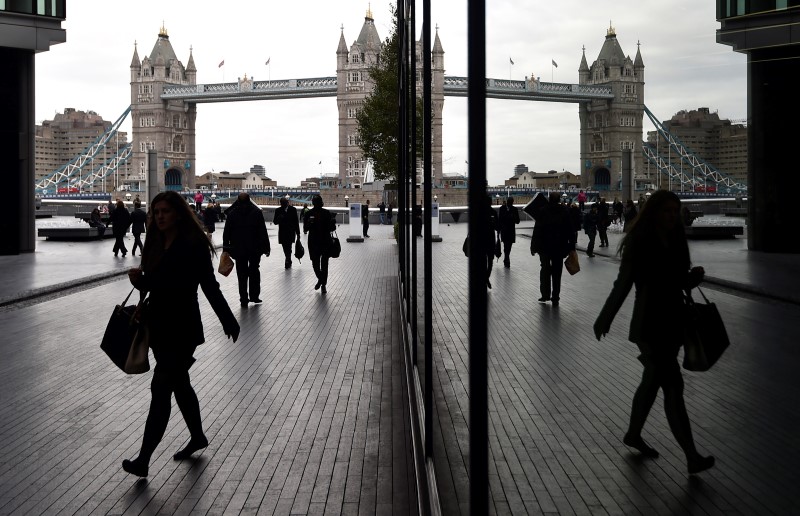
[(355, 220), (435, 218)]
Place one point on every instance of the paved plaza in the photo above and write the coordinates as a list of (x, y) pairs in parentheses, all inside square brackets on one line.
[(308, 412)]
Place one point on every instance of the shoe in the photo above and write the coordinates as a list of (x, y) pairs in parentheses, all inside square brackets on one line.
[(639, 444), (116, 255), (255, 300), (124, 255), (324, 289), (555, 302), (287, 265), (488, 284), (544, 299), (590, 255), (700, 463), (243, 303), (507, 265), (133, 253), (135, 467), (192, 446), (319, 284)]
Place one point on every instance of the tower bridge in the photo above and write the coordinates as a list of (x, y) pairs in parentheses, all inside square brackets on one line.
[(609, 94)]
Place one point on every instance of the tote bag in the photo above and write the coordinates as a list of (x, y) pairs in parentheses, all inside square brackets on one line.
[(125, 338), (335, 249), (706, 336)]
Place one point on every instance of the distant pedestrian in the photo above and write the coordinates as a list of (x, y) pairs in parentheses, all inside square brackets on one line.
[(416, 221), (211, 215), (618, 209), (640, 202), (382, 211), (288, 229), (603, 221), (488, 218), (507, 220), (555, 235), (655, 259), (365, 219), (245, 238), (581, 200), (120, 221), (198, 201), (303, 212), (96, 221), (629, 215), (319, 223), (138, 225), (389, 210), (590, 221), (175, 261)]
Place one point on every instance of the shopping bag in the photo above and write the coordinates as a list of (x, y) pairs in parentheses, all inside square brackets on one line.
[(498, 251), (122, 332), (572, 264), (225, 264), (706, 336), (299, 251), (335, 249)]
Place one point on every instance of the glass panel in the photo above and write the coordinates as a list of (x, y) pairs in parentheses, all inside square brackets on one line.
[(40, 7)]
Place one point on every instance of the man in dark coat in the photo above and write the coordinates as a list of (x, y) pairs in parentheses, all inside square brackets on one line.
[(507, 219), (288, 228), (603, 221), (555, 235), (120, 221), (365, 219), (245, 238), (382, 209), (138, 223)]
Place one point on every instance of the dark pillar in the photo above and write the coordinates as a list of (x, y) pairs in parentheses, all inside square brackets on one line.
[(772, 171), (17, 172)]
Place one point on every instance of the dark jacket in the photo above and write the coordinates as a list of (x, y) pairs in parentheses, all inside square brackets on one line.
[(554, 234), (245, 233), (507, 218), (173, 314), (138, 221), (602, 215), (288, 225), (120, 221), (319, 223), (590, 222), (660, 274)]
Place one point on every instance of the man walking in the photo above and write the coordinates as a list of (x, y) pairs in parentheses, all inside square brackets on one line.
[(245, 238), (555, 236), (288, 229), (365, 218), (507, 219), (382, 208)]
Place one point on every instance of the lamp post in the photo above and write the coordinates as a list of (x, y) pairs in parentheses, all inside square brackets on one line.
[(497, 198), (346, 201), (435, 198)]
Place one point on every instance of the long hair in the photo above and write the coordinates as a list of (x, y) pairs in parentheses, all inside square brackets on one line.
[(188, 227), (644, 226)]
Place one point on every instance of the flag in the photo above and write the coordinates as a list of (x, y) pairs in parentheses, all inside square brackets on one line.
[(512, 61), (320, 163), (554, 63), (221, 64), (267, 63)]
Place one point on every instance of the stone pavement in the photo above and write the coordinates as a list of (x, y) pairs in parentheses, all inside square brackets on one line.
[(307, 413)]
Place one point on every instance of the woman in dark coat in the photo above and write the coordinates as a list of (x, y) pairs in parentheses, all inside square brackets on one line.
[(319, 223), (655, 258), (176, 259), (120, 221)]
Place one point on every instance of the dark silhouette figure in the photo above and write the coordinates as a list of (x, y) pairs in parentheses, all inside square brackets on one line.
[(120, 221), (211, 215), (365, 219), (245, 238), (288, 229), (655, 258), (389, 210), (96, 221), (507, 219), (416, 221), (629, 215), (603, 221), (176, 259), (488, 233), (138, 223), (382, 210), (554, 235), (590, 221), (319, 223)]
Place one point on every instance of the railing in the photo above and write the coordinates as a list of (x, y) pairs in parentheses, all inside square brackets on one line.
[(244, 90), (531, 90)]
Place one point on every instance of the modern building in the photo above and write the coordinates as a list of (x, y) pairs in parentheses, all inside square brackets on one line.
[(719, 142), (68, 134), (767, 31), (354, 86), (27, 27)]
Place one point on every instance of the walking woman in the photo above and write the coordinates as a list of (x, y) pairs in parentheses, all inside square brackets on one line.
[(319, 223), (655, 258), (176, 259)]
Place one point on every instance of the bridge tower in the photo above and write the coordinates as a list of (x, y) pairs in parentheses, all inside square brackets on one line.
[(166, 126), (609, 127), (354, 85)]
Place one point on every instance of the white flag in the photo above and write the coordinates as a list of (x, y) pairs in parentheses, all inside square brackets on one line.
[(554, 63)]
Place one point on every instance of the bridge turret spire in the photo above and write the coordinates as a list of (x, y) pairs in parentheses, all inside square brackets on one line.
[(638, 62), (135, 63), (162, 32)]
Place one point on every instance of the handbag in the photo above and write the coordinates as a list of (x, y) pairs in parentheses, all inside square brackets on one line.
[(706, 336), (125, 340), (572, 264), (498, 251), (299, 251), (335, 248), (225, 263)]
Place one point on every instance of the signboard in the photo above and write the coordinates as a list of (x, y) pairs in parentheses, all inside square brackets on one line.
[(355, 220), (435, 219)]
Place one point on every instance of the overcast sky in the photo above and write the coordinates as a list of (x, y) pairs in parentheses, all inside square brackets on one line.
[(684, 69)]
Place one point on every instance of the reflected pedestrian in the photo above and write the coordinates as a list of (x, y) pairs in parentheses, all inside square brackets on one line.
[(138, 223), (319, 223), (655, 259), (175, 260)]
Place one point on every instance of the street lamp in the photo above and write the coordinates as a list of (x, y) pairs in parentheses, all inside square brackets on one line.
[(497, 198), (346, 201), (435, 198)]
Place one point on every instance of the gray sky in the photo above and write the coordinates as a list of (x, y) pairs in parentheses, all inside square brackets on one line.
[(684, 69)]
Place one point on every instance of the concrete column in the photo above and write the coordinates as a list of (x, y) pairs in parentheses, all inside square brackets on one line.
[(772, 176), (152, 174), (17, 130)]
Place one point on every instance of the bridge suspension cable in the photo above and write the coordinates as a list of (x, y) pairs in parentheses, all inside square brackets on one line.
[(72, 172), (698, 172)]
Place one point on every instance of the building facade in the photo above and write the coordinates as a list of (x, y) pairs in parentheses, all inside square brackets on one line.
[(166, 126), (67, 135), (721, 143), (610, 127)]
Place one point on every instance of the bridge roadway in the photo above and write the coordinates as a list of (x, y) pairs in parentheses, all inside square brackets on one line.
[(307, 412)]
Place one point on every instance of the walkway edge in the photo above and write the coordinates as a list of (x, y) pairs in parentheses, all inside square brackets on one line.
[(59, 287)]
